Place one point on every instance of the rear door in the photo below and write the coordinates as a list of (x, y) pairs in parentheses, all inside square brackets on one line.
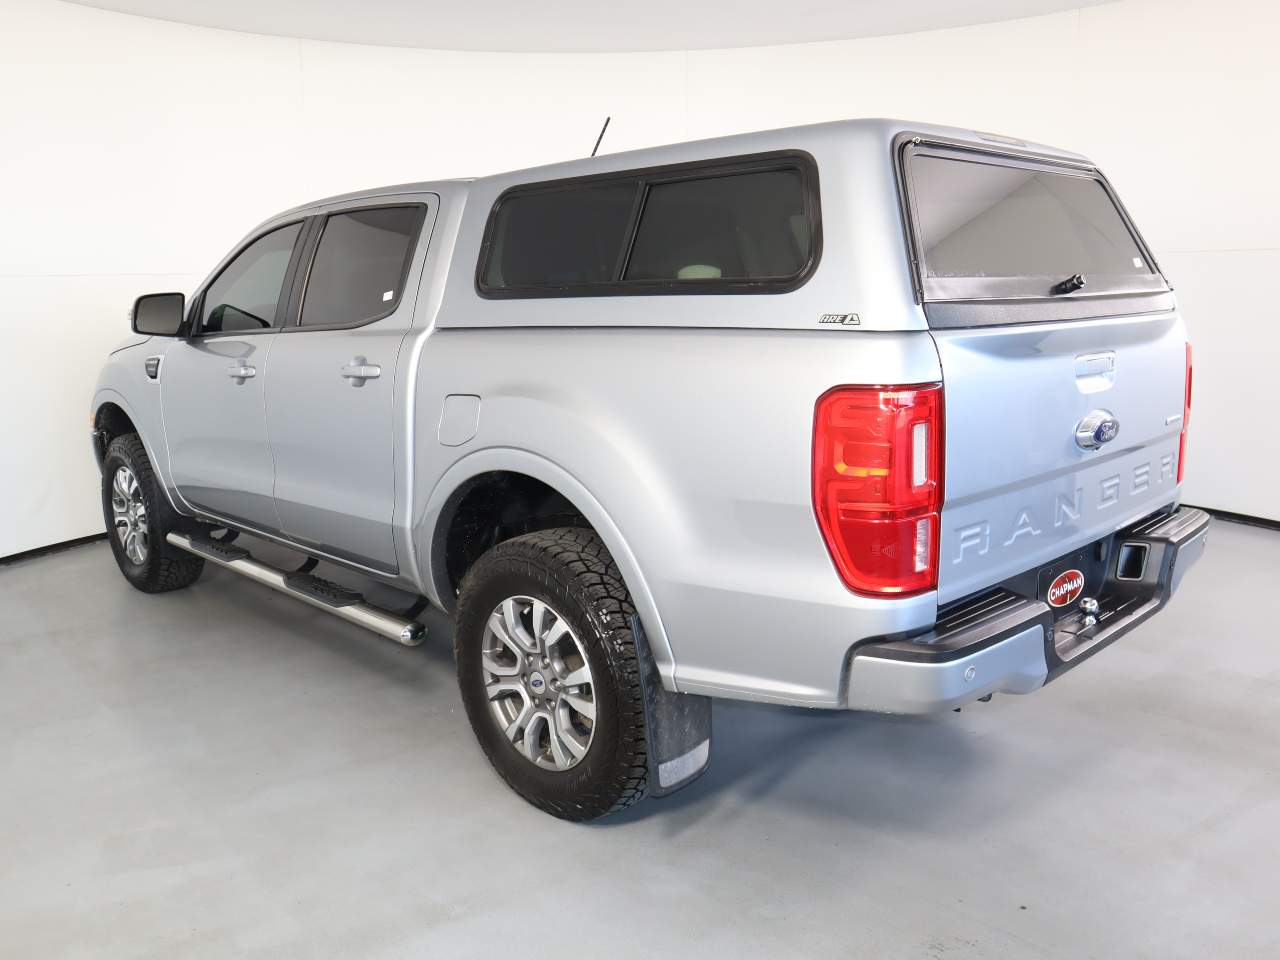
[(332, 380), (1050, 319)]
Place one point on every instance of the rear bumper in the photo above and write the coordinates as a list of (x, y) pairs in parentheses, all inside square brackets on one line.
[(1005, 643)]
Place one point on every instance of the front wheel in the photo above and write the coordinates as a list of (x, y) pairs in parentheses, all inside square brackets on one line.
[(548, 671), (138, 519)]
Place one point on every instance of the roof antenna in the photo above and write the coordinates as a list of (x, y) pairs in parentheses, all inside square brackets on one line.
[(601, 137)]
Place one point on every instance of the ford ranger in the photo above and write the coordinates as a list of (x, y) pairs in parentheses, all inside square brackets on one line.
[(868, 415)]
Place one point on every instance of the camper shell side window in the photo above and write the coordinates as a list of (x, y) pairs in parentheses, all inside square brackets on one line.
[(740, 225)]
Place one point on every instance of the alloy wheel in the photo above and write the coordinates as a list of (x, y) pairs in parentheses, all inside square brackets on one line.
[(538, 682), (130, 515)]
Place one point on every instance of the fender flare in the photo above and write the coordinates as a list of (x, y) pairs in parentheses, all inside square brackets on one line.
[(105, 395), (515, 460)]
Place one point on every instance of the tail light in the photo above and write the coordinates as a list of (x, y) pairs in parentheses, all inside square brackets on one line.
[(877, 485), (1186, 415)]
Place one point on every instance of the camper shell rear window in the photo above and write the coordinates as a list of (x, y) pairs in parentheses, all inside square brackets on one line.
[(739, 225), (985, 226)]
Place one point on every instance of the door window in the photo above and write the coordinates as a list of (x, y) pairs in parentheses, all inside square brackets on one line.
[(360, 266), (246, 294)]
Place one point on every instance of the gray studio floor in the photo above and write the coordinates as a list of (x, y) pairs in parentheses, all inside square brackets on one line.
[(223, 772)]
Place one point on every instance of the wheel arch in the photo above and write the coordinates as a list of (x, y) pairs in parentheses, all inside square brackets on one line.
[(112, 410), (110, 420), (450, 492)]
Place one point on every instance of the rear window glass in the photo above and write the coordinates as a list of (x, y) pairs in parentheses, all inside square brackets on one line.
[(360, 266), (977, 219), (664, 230)]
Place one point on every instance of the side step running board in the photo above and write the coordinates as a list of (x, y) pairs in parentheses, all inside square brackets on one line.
[(321, 594)]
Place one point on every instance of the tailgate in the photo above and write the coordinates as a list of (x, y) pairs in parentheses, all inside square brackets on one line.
[(1019, 490), (1049, 314)]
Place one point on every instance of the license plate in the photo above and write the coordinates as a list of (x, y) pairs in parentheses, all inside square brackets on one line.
[(1065, 582)]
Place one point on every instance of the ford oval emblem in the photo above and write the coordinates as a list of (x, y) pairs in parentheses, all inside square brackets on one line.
[(1107, 430), (1097, 427)]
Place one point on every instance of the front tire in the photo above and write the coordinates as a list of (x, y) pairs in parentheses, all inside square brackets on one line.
[(548, 672), (138, 518)]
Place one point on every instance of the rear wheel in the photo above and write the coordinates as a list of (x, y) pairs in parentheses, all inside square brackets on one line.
[(548, 671), (138, 518)]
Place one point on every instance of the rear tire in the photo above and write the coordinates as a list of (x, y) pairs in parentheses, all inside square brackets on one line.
[(587, 756), (138, 518)]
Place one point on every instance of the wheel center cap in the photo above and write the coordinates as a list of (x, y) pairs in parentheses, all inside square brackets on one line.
[(537, 683)]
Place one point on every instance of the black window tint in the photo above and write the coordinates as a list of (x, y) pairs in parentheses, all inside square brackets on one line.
[(987, 220), (748, 226), (360, 266), (563, 237), (245, 295)]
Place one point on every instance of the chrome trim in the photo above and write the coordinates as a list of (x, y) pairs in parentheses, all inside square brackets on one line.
[(410, 633), (1096, 428)]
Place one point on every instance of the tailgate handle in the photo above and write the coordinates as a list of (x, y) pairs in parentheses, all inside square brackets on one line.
[(1095, 371)]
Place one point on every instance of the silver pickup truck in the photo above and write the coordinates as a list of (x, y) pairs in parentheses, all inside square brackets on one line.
[(867, 415)]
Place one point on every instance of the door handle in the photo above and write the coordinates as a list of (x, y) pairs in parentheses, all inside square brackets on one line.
[(359, 370), (240, 372)]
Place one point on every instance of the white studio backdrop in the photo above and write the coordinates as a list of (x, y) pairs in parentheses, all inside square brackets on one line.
[(135, 152)]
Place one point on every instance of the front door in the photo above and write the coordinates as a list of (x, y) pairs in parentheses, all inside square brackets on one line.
[(332, 381), (212, 386)]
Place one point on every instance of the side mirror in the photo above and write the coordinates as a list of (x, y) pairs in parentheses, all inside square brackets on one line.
[(159, 314)]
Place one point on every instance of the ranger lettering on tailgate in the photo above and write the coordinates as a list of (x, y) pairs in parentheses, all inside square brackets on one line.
[(976, 538)]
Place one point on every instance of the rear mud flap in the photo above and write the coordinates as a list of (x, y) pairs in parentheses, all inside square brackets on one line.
[(677, 725)]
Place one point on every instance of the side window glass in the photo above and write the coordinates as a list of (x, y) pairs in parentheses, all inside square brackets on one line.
[(245, 295), (745, 225), (360, 265), (552, 238), (750, 226)]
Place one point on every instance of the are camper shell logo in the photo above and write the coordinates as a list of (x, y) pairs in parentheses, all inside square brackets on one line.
[(840, 319)]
